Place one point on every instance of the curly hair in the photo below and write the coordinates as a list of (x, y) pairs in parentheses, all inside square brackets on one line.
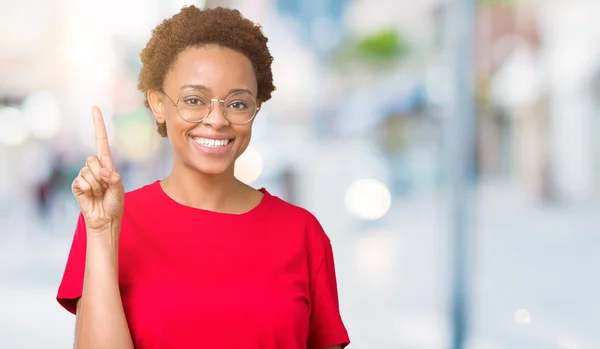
[(193, 27)]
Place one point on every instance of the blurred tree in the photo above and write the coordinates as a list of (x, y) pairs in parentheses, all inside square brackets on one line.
[(386, 44), (378, 51)]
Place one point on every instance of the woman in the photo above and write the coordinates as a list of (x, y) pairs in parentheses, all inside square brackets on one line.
[(198, 259)]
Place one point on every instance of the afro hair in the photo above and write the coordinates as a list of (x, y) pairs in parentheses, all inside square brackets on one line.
[(194, 27)]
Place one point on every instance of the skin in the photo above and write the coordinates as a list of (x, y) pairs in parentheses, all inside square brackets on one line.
[(99, 192), (197, 179), (200, 180)]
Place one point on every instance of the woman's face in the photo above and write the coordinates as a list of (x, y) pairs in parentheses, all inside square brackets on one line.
[(198, 74)]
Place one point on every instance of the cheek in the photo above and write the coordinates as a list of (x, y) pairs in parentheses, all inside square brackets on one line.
[(176, 126), (171, 129), (243, 139)]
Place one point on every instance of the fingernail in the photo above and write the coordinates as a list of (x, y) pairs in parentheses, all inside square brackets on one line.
[(104, 172)]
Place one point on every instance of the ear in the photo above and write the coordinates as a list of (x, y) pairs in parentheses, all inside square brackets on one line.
[(259, 104), (156, 101)]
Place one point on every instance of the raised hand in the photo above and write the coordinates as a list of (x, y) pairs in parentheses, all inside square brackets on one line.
[(98, 187)]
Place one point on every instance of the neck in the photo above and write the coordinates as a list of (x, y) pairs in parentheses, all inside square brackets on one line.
[(203, 191)]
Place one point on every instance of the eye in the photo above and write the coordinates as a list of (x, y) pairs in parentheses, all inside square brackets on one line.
[(238, 105), (194, 101)]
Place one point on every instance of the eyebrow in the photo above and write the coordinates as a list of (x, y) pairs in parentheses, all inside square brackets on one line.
[(204, 88)]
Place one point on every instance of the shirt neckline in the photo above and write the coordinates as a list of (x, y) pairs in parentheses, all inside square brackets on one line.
[(256, 211)]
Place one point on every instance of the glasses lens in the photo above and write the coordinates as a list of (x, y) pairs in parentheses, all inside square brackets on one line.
[(193, 106), (240, 107)]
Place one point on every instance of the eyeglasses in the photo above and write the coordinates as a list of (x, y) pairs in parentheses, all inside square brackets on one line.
[(238, 108)]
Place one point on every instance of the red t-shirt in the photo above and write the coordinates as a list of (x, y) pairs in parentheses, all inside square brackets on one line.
[(192, 278)]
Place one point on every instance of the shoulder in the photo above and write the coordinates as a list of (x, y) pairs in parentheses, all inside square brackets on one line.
[(143, 192), (297, 227), (298, 217), (142, 199)]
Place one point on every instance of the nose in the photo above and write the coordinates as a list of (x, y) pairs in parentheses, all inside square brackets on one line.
[(216, 118)]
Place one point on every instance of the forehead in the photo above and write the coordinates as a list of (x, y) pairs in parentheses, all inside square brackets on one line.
[(217, 68)]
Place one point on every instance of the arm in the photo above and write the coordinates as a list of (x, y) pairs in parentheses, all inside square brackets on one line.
[(101, 321), (335, 347)]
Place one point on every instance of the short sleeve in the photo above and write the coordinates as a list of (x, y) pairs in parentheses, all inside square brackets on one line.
[(71, 286), (326, 327)]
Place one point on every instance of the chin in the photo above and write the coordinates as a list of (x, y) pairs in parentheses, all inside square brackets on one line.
[(213, 169)]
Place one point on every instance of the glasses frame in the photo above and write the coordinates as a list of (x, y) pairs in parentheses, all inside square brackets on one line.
[(210, 108)]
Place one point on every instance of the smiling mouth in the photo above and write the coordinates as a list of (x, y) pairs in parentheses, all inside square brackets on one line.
[(211, 143)]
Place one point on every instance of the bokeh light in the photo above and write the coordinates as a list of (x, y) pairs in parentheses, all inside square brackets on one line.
[(522, 317), (368, 199), (13, 129), (43, 115), (375, 256), (249, 166)]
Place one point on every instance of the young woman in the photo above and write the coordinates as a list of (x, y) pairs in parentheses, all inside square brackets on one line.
[(198, 259)]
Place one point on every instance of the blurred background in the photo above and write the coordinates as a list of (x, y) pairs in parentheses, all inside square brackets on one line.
[(368, 129)]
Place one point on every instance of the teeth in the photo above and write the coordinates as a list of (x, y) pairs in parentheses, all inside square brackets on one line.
[(211, 142)]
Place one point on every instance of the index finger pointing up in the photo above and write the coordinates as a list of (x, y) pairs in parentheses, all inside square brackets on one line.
[(102, 145)]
